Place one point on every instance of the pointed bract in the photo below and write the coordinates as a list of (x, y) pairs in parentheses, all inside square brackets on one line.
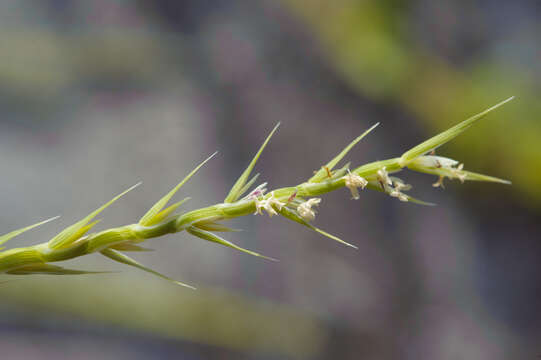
[(291, 215), (445, 136), (162, 215), (248, 185), (205, 235), (321, 174), (235, 192), (148, 218), (124, 259), (11, 235), (74, 232), (471, 176), (341, 172), (48, 269)]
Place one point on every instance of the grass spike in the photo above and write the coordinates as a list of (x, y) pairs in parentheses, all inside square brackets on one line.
[(293, 202), (148, 218), (235, 192), (321, 174)]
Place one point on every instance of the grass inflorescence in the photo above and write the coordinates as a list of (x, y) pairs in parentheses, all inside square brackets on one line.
[(296, 203)]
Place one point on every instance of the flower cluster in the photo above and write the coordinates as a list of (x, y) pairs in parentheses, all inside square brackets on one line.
[(305, 209), (399, 186), (354, 181), (268, 205)]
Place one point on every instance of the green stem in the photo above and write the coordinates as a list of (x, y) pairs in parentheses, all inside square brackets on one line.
[(42, 253)]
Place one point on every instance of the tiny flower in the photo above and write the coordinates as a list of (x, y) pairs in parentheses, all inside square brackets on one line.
[(459, 173), (439, 182), (267, 205), (399, 195), (354, 181), (399, 186), (451, 172), (383, 177), (305, 209)]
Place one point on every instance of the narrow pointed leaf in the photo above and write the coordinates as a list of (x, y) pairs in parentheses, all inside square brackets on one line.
[(124, 259), (205, 235), (165, 213), (48, 269), (321, 174), (235, 192), (445, 136), (155, 209), (69, 234), (11, 235), (291, 215)]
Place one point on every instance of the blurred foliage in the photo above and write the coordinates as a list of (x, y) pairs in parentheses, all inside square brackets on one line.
[(373, 45), (208, 316)]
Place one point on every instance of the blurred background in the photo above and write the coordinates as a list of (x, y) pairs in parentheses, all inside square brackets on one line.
[(96, 96)]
